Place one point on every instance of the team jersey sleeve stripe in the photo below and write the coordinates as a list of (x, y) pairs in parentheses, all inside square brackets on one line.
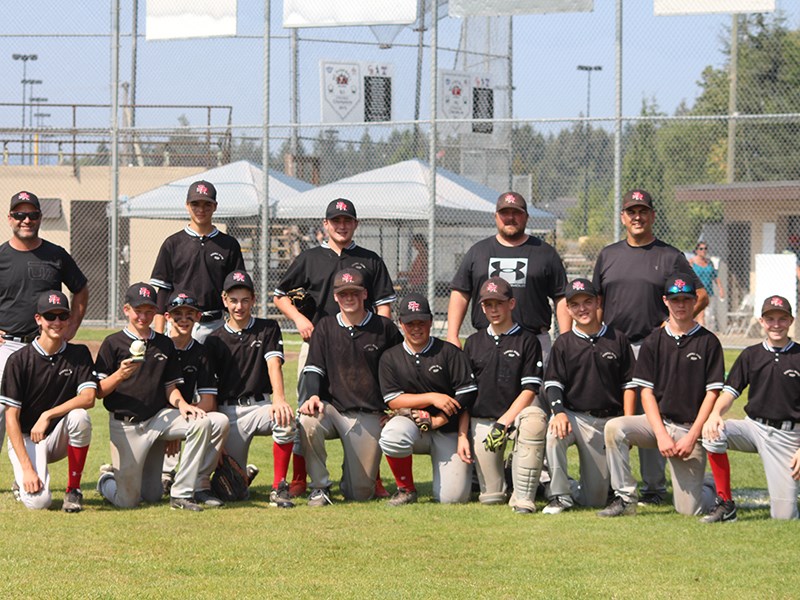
[(274, 354), (87, 385), (553, 383), (101, 375), (162, 284), (731, 390), (314, 369), (467, 389), (643, 383), (5, 400), (387, 300), (278, 292), (629, 385), (531, 381), (177, 381), (211, 391), (389, 397), (714, 385)]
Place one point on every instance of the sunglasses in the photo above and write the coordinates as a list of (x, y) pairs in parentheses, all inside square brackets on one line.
[(53, 316), (33, 215), (191, 302), (702, 248)]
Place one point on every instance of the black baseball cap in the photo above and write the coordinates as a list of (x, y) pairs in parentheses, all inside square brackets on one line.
[(776, 303), (579, 286), (348, 279), (201, 190), (52, 301), (495, 288), (637, 198), (181, 299), (511, 200), (415, 307), (340, 207), (25, 198), (238, 279), (140, 294), (680, 284)]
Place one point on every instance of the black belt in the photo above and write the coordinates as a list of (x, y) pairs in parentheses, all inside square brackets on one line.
[(212, 315), (25, 339), (787, 425), (604, 414), (126, 418), (244, 401), (679, 423)]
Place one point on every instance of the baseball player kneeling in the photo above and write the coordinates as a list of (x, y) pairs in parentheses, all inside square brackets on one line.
[(771, 369), (430, 381), (589, 380), (139, 375), (507, 362), (47, 388), (342, 367)]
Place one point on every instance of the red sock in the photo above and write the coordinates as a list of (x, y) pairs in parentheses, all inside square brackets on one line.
[(721, 469), (281, 455), (299, 468), (402, 471), (76, 459)]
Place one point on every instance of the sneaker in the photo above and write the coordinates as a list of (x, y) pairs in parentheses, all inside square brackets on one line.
[(106, 468), (723, 512), (618, 508), (523, 510), (380, 491), (403, 496), (184, 504), (319, 497), (207, 499), (650, 499), (252, 472), (167, 479), (15, 491), (73, 501), (280, 496), (297, 488), (555, 507)]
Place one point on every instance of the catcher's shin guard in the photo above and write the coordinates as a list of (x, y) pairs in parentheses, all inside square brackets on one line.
[(526, 464)]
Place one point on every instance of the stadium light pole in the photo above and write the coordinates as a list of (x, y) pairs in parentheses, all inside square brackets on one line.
[(588, 69), (24, 58)]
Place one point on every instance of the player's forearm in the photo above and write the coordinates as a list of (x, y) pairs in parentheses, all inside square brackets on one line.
[(702, 302), (107, 385), (413, 401), (524, 400), (705, 411), (80, 301), (723, 404), (83, 400), (276, 379), (456, 311), (159, 323), (653, 414), (629, 402), (562, 315), (208, 402), (15, 437), (384, 310), (463, 424), (599, 309), (284, 304)]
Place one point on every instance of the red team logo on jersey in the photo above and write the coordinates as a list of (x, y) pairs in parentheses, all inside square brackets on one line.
[(491, 287), (776, 302), (53, 299), (201, 189), (578, 285), (341, 206), (637, 196), (24, 196), (347, 278), (238, 276), (413, 306), (144, 292)]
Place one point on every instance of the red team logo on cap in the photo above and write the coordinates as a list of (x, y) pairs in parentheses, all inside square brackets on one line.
[(341, 206), (776, 302), (53, 299), (24, 196), (238, 276), (201, 189), (510, 199), (578, 285), (144, 292), (347, 278), (182, 295), (637, 196), (491, 287), (680, 284), (413, 306)]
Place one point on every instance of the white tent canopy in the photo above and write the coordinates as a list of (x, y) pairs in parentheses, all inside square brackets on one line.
[(240, 192), (400, 192)]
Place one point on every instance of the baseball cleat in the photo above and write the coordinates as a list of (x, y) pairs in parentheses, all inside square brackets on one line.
[(523, 510), (618, 508), (280, 496), (73, 501), (106, 468), (184, 504), (252, 472), (555, 507), (167, 479), (207, 499), (319, 497), (15, 491), (723, 512), (403, 496), (380, 491), (650, 499)]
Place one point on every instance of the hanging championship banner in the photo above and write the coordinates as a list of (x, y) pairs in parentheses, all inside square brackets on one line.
[(694, 7), (182, 19), (344, 13), (492, 8), (355, 92)]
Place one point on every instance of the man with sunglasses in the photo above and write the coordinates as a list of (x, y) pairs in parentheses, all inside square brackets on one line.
[(30, 266)]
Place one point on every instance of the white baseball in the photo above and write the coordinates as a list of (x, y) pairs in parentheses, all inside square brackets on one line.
[(138, 348)]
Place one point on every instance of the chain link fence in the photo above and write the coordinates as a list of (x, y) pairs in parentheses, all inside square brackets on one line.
[(520, 106)]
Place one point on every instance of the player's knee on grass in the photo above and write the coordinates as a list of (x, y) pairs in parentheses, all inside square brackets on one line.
[(79, 427), (39, 501)]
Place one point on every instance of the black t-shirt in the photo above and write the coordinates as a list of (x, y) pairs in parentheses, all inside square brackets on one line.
[(440, 367), (198, 264), (593, 372), (239, 358), (144, 393), (348, 356), (680, 370), (631, 280), (533, 269), (504, 365), (197, 371), (35, 382), (25, 275), (774, 379), (314, 270)]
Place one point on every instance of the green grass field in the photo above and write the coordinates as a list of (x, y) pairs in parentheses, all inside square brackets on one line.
[(368, 550)]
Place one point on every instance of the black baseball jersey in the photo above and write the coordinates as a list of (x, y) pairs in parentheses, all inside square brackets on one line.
[(631, 280), (35, 381), (440, 367), (143, 394), (533, 269), (348, 356), (196, 370), (592, 371), (198, 263), (680, 370), (773, 375), (239, 358), (504, 365), (315, 268), (25, 275)]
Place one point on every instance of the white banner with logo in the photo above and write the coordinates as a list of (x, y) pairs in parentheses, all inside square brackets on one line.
[(491, 8), (183, 19), (694, 7), (345, 13)]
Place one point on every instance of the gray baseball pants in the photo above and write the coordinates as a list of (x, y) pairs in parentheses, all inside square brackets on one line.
[(251, 420)]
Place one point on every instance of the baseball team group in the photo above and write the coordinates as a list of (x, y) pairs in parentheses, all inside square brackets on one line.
[(194, 376)]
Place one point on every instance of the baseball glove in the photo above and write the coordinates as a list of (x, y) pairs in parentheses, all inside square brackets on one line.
[(496, 437), (422, 418), (303, 302), (229, 481)]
